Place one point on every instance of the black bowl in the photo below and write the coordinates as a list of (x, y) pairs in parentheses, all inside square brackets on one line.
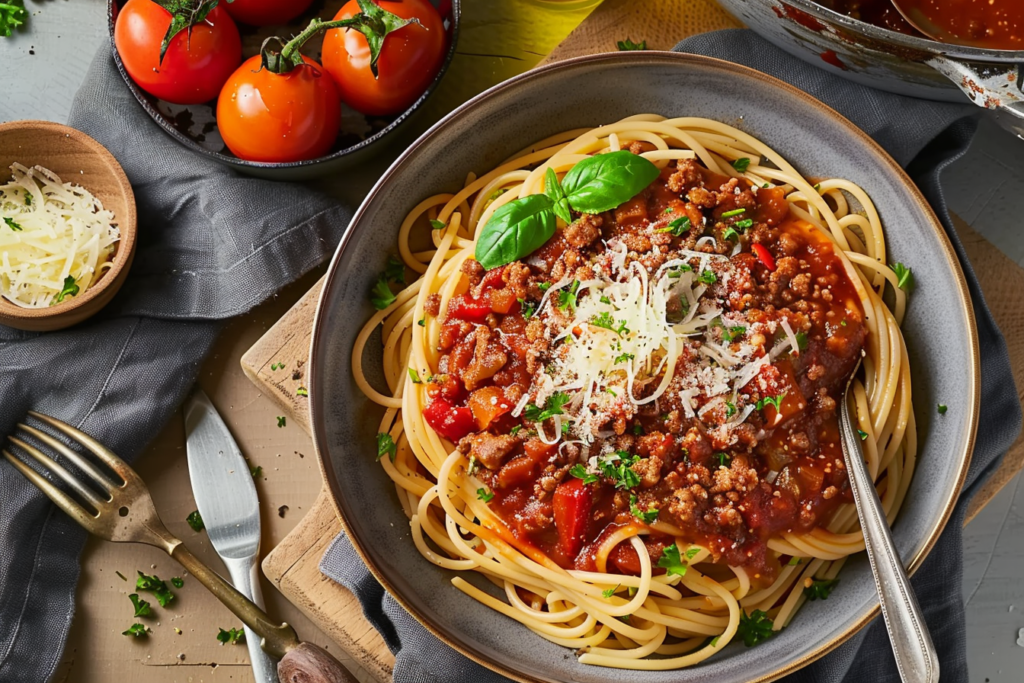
[(195, 126)]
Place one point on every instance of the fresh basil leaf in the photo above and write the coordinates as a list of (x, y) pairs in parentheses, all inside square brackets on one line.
[(605, 181), (516, 230), (553, 189)]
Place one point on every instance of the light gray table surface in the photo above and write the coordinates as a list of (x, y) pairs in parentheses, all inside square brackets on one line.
[(49, 61)]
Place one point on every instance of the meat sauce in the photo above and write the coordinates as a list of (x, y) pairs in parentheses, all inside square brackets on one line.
[(784, 473)]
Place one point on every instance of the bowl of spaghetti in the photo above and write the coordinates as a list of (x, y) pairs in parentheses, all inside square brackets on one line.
[(583, 425)]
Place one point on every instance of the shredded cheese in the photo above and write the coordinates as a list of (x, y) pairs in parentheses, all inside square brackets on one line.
[(54, 237)]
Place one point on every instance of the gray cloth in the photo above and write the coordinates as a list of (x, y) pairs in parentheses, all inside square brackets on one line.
[(925, 137), (212, 244)]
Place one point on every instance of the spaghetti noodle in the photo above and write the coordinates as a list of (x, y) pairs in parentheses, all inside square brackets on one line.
[(630, 427)]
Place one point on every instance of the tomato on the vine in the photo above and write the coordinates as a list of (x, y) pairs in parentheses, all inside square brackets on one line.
[(266, 12), (196, 58), (279, 117), (409, 57)]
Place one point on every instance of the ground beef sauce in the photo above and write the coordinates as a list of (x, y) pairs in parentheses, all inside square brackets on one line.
[(730, 485)]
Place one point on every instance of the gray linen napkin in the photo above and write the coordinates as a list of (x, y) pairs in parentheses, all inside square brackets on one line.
[(925, 137), (212, 244)]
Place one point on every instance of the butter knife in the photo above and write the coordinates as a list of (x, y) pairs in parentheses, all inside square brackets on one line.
[(226, 497)]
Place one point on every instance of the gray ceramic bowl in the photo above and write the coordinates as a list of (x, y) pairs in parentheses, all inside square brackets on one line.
[(588, 92)]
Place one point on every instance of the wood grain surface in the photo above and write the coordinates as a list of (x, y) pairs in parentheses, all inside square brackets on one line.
[(294, 565)]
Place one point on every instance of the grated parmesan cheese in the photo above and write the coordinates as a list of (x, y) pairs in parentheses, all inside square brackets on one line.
[(56, 239)]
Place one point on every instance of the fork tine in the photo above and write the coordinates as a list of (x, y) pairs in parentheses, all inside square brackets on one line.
[(61, 499), (80, 462), (51, 465), (98, 449)]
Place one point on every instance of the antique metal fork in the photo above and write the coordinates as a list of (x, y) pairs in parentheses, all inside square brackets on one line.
[(120, 509)]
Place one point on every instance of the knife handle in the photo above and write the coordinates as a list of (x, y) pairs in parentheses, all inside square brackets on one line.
[(244, 576)]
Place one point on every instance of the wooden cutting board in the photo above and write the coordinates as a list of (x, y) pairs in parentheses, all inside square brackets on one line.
[(293, 566)]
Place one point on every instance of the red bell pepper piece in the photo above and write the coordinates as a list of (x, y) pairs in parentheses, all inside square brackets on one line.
[(464, 308), (764, 256), (572, 503), (449, 421)]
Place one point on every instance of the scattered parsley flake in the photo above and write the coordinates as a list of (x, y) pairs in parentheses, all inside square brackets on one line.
[(528, 308), (723, 459), (567, 297), (714, 641), (678, 227), (754, 628), (381, 295), (277, 366), (744, 224), (70, 289), (942, 409), (648, 516), (395, 270), (414, 376), (863, 434), (707, 277), (485, 495), (436, 224), (235, 636), (728, 333), (302, 391), (627, 45), (153, 584), (281, 421), (820, 589), (195, 520), (142, 607), (12, 225), (121, 576), (624, 357), (177, 582), (422, 322), (386, 446), (671, 562), (580, 472), (552, 407), (136, 630), (609, 592), (905, 278), (801, 340), (775, 401), (741, 164)]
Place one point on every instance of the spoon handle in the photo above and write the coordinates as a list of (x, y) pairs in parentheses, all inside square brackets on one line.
[(908, 633)]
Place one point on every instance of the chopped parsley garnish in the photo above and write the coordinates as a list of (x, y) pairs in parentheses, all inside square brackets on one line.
[(611, 392), (905, 278), (723, 459), (142, 608), (484, 495), (436, 224), (544, 286), (741, 164), (606, 321), (606, 300), (638, 428), (627, 45), (552, 407), (276, 366), (395, 270), (414, 376), (515, 430), (679, 270), (70, 289), (734, 212), (120, 575), (631, 590), (609, 592), (153, 584), (801, 340), (136, 630), (671, 562), (617, 468), (256, 472), (730, 409), (730, 234), (744, 224), (497, 193), (771, 401), (863, 434), (422, 322), (647, 516), (820, 589), (386, 446), (728, 333), (817, 186), (195, 520), (714, 641), (302, 391), (580, 472), (281, 421), (28, 198), (567, 297), (624, 619), (235, 636), (943, 409), (708, 277), (624, 357), (678, 227), (381, 295), (177, 582), (12, 225), (528, 308), (754, 628)]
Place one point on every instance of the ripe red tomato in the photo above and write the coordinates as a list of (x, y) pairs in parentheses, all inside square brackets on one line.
[(264, 116), (194, 67), (409, 59), (266, 12)]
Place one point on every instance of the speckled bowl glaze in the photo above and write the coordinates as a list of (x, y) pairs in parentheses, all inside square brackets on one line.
[(588, 92)]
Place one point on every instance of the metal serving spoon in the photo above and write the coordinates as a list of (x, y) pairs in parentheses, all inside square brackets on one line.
[(911, 643)]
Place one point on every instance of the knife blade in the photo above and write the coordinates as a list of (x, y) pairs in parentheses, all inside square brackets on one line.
[(226, 497)]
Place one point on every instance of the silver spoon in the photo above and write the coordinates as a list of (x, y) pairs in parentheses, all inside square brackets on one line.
[(908, 633)]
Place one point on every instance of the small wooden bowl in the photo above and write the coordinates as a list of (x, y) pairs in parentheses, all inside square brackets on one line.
[(78, 159)]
